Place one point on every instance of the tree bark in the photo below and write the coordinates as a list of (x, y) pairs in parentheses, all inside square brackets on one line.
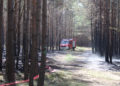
[(34, 47), (1, 28), (44, 51), (10, 59)]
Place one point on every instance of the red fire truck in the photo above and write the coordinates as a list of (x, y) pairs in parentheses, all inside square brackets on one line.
[(68, 44)]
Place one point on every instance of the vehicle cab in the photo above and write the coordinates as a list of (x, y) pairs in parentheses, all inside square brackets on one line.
[(68, 44), (64, 44)]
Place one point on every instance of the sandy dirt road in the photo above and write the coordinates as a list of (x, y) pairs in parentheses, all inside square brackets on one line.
[(87, 67)]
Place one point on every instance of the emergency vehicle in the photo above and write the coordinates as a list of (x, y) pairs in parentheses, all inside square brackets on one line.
[(67, 44)]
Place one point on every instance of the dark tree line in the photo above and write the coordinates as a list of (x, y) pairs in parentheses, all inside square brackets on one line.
[(105, 24), (30, 27)]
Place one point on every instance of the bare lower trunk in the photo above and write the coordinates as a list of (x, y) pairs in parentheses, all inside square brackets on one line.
[(1, 27), (34, 47), (44, 50), (10, 60)]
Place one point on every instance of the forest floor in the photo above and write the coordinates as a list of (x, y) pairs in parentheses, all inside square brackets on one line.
[(81, 68)]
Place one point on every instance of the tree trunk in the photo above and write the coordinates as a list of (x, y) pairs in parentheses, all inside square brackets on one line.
[(44, 51), (10, 60), (1, 27), (34, 47), (25, 38)]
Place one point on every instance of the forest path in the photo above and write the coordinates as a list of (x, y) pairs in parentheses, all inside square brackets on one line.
[(86, 67)]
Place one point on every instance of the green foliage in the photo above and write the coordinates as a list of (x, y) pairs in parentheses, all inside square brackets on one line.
[(79, 9), (80, 14)]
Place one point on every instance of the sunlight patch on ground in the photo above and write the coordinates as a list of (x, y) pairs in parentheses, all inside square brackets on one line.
[(82, 49), (69, 57), (1, 76), (98, 74)]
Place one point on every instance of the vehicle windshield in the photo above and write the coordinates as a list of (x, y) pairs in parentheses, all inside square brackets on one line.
[(65, 42)]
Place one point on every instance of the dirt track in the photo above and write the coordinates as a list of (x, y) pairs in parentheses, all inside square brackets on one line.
[(87, 67)]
